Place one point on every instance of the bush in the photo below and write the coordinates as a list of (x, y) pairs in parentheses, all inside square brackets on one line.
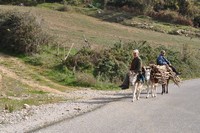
[(18, 2), (85, 79), (107, 68), (171, 17), (34, 60), (183, 21), (107, 65), (112, 64), (21, 33), (196, 21), (73, 2), (64, 8), (139, 6)]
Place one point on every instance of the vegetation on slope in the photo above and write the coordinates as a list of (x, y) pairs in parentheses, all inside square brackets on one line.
[(99, 57), (105, 64)]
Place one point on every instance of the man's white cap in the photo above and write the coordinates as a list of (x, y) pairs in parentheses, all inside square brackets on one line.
[(135, 51)]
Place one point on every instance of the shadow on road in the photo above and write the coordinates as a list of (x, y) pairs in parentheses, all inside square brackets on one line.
[(107, 98)]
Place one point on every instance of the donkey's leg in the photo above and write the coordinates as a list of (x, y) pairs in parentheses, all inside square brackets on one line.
[(163, 89), (166, 88), (152, 89), (139, 89), (148, 90), (137, 94), (155, 90), (134, 87), (167, 85)]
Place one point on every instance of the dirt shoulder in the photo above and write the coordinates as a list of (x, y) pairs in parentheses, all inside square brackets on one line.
[(76, 101), (35, 117)]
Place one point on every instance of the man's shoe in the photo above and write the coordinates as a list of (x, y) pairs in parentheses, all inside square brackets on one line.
[(121, 86), (124, 87)]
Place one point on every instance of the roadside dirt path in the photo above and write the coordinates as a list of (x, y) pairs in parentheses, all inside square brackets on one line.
[(33, 117)]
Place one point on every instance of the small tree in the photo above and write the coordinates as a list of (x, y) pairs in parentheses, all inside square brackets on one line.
[(21, 33)]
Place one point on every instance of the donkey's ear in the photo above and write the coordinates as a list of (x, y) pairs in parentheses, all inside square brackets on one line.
[(143, 67), (148, 67)]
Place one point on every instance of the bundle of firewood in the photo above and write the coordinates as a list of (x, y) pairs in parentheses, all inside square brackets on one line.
[(163, 73)]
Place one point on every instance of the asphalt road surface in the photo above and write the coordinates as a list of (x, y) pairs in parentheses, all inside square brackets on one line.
[(176, 112)]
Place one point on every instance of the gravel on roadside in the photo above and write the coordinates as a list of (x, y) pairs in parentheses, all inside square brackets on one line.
[(35, 117)]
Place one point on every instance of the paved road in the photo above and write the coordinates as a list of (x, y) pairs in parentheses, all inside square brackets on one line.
[(176, 112)]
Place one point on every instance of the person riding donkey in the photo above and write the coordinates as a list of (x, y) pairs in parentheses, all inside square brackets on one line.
[(136, 67), (161, 60)]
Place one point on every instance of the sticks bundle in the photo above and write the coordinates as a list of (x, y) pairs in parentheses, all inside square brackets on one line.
[(163, 73)]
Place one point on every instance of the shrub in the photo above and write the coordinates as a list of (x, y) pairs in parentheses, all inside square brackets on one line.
[(85, 79), (171, 17), (64, 8), (73, 2), (139, 6), (34, 60), (107, 65), (17, 2), (196, 21), (183, 21), (83, 60), (107, 68), (112, 64), (21, 33)]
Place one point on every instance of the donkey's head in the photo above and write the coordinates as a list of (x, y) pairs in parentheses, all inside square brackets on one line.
[(147, 72), (132, 77)]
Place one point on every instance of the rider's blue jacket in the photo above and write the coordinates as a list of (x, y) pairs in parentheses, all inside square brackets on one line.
[(161, 60)]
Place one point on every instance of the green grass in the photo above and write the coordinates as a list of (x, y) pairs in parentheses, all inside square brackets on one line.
[(16, 94), (37, 92), (70, 8), (52, 6), (14, 105)]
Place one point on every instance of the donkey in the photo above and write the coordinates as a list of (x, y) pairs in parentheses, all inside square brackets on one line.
[(151, 85), (136, 86), (159, 75), (154, 75)]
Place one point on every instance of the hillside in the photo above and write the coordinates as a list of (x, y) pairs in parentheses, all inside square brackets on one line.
[(70, 27), (24, 83)]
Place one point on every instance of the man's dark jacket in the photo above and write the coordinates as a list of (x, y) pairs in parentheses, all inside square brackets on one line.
[(136, 64)]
